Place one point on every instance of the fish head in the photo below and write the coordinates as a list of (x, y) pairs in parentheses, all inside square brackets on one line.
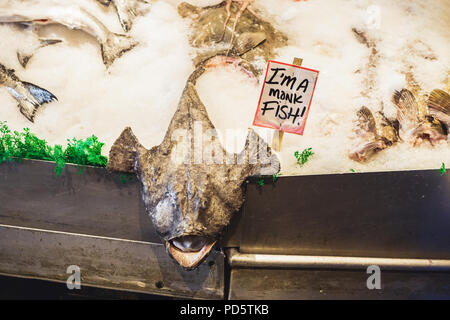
[(191, 186)]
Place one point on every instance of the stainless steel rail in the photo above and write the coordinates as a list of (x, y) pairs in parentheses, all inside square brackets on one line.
[(247, 260)]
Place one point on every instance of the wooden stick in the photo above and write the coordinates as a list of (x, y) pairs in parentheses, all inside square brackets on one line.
[(278, 134)]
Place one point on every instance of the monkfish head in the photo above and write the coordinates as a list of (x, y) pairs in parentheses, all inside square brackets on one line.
[(191, 186)]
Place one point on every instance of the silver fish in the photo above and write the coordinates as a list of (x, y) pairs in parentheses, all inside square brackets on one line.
[(127, 10), (29, 96), (190, 202), (112, 45)]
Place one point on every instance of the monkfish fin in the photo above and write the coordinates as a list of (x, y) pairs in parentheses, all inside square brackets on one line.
[(257, 157), (123, 153)]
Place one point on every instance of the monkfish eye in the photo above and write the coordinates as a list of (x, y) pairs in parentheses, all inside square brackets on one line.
[(190, 243)]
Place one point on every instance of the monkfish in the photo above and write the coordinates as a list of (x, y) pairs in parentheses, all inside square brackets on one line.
[(250, 36), (191, 197)]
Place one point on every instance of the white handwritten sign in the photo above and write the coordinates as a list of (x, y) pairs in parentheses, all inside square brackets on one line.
[(286, 97)]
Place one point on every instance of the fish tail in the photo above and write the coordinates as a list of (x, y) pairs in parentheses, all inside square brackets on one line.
[(31, 98), (115, 46), (127, 11), (24, 57), (48, 42), (125, 18)]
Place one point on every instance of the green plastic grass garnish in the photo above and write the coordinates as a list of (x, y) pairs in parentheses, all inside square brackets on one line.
[(125, 177), (25, 145), (303, 157), (261, 182), (442, 169), (276, 176)]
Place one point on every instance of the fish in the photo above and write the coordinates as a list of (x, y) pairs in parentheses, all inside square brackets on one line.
[(439, 107), (416, 124), (377, 133), (25, 54), (251, 37), (34, 43), (192, 200), (126, 10), (113, 45), (29, 96)]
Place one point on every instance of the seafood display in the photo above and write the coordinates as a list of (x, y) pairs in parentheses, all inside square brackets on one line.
[(113, 45), (127, 10), (414, 124), (29, 96), (250, 37), (398, 89), (191, 201)]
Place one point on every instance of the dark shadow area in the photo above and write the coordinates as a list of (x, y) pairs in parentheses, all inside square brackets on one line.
[(12, 288)]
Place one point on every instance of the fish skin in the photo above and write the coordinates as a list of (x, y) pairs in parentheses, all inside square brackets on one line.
[(113, 45), (254, 37), (127, 10), (29, 96), (190, 198)]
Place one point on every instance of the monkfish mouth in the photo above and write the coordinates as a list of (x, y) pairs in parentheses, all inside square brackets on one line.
[(189, 251)]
